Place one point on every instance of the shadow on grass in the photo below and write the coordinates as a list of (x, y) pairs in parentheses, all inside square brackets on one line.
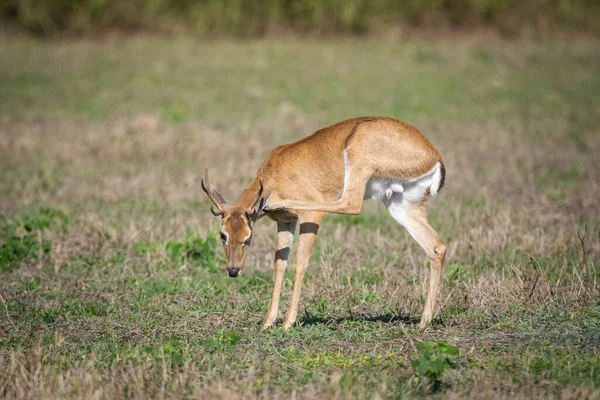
[(388, 318)]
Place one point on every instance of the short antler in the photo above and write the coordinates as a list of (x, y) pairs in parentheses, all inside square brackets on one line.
[(213, 195)]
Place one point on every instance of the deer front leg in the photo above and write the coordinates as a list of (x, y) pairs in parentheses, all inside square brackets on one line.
[(309, 226), (285, 237)]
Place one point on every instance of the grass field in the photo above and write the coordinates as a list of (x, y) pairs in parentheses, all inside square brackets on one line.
[(111, 281)]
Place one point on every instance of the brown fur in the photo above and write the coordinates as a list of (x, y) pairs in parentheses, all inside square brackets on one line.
[(390, 147), (302, 181)]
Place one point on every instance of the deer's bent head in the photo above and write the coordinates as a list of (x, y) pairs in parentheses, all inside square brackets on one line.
[(237, 223)]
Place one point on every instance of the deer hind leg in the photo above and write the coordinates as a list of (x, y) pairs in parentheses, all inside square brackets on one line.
[(285, 237), (356, 176), (413, 218), (309, 226)]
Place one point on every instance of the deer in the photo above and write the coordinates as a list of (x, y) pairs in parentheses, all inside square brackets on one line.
[(333, 171)]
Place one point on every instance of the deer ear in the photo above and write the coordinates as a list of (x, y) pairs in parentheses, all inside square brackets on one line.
[(219, 196), (260, 207)]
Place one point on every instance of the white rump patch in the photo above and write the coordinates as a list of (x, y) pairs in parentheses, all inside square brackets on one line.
[(404, 191), (436, 180)]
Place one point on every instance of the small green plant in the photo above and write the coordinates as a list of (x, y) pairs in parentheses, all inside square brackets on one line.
[(22, 239), (370, 297), (145, 248), (455, 272), (175, 351), (174, 115), (320, 306), (592, 332), (222, 342), (44, 218), (194, 247), (435, 359), (48, 316)]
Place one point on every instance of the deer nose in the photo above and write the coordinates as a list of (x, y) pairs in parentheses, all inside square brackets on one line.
[(233, 271)]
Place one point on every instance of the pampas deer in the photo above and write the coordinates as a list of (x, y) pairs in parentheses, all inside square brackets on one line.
[(333, 171)]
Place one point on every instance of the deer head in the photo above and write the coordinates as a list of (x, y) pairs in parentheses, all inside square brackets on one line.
[(237, 223)]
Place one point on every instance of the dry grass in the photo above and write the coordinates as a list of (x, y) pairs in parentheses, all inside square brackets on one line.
[(33, 380), (98, 318)]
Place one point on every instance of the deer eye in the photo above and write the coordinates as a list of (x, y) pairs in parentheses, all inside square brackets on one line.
[(224, 237), (246, 241)]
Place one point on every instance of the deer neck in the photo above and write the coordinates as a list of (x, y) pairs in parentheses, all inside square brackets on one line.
[(249, 195)]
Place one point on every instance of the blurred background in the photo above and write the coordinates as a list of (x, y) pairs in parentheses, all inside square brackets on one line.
[(112, 283), (246, 19)]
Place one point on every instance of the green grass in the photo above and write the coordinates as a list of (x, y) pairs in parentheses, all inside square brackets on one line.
[(223, 82), (111, 270)]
